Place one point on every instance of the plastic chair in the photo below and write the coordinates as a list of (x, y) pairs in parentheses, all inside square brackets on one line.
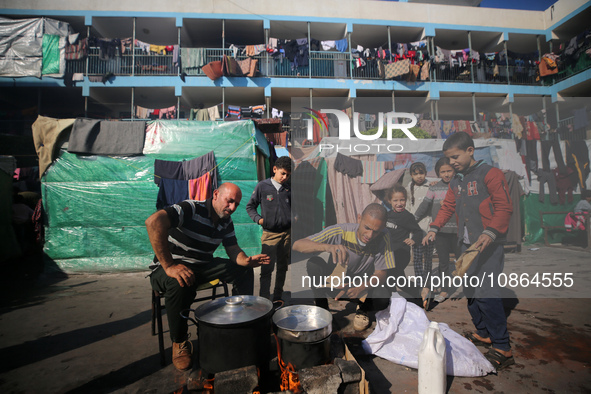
[(157, 309)]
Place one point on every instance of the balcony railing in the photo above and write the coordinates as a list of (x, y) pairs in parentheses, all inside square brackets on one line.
[(322, 64)]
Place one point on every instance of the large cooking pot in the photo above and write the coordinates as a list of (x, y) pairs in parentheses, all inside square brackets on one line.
[(233, 332), (303, 332)]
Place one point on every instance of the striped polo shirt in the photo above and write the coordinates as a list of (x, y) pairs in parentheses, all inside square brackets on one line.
[(192, 237), (375, 255)]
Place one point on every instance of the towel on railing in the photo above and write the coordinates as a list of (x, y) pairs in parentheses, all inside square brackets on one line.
[(192, 57)]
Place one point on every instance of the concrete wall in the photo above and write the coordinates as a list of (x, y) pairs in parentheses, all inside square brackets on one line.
[(380, 11)]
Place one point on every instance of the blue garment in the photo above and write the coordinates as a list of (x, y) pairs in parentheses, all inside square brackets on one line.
[(342, 45), (172, 191)]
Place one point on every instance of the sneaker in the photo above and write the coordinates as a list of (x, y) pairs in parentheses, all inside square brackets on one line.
[(182, 355), (361, 322)]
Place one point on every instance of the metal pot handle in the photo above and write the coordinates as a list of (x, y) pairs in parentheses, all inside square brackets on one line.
[(187, 316)]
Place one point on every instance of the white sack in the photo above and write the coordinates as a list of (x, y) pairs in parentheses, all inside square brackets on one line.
[(399, 332)]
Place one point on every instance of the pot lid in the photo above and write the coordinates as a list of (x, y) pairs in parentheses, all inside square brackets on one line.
[(302, 318), (233, 310)]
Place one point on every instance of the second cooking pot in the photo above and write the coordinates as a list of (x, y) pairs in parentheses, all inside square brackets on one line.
[(303, 332)]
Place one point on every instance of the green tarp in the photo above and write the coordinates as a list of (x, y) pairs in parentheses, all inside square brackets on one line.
[(51, 54), (96, 205), (531, 208)]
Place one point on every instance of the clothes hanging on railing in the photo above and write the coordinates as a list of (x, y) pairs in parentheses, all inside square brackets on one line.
[(77, 50), (192, 58)]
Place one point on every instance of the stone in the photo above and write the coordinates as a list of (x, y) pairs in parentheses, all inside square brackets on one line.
[(322, 379), (350, 371), (237, 381)]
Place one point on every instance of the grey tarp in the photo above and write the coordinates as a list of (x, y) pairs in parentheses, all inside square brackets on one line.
[(20, 47), (21, 43), (96, 137)]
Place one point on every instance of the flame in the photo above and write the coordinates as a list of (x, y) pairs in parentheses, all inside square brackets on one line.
[(289, 377), (179, 391), (208, 384)]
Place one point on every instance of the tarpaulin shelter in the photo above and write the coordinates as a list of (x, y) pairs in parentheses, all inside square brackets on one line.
[(96, 205), (33, 47)]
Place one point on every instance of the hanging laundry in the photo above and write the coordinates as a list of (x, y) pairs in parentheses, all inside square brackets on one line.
[(372, 171), (348, 166), (158, 49), (142, 113), (167, 113), (342, 45), (199, 114), (233, 112), (171, 191), (192, 58), (77, 51), (200, 188), (328, 45), (127, 45), (144, 46), (213, 112)]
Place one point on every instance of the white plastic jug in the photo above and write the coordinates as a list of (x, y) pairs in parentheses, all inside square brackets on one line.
[(432, 362)]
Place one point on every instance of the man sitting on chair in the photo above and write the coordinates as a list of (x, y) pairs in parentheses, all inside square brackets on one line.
[(184, 237), (360, 249)]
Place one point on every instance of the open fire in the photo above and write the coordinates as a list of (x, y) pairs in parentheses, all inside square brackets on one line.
[(289, 377)]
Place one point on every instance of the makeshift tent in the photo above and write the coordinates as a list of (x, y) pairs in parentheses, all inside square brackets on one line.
[(96, 205)]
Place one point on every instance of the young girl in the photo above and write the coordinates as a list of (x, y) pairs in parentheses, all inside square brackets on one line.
[(421, 254), (400, 224), (447, 238)]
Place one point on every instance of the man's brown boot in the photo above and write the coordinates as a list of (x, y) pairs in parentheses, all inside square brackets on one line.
[(182, 355)]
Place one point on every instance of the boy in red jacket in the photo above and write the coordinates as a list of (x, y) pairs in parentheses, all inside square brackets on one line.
[(479, 196)]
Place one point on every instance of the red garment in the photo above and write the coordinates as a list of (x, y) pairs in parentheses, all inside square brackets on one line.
[(532, 131), (573, 221), (200, 188), (495, 189)]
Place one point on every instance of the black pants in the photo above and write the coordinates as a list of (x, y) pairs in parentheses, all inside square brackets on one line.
[(178, 298), (317, 267), (446, 243)]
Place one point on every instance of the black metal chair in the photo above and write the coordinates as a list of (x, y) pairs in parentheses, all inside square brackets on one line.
[(157, 309)]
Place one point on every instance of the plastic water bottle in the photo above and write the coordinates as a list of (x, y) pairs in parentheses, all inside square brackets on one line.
[(432, 362)]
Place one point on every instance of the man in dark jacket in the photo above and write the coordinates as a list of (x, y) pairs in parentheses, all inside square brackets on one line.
[(274, 197)]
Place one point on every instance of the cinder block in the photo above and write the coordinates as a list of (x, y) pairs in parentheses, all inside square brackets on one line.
[(350, 371), (236, 381), (323, 379)]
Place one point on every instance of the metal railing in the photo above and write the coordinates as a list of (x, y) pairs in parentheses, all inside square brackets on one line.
[(322, 64), (127, 64)]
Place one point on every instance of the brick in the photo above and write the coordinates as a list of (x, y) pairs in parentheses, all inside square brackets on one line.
[(323, 379), (350, 371), (237, 381)]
